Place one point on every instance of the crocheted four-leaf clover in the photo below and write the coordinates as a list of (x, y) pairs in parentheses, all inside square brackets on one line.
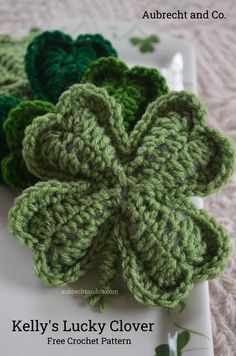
[(13, 80), (133, 88), (14, 170), (119, 195), (54, 61)]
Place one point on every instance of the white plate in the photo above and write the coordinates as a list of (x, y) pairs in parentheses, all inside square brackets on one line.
[(24, 297)]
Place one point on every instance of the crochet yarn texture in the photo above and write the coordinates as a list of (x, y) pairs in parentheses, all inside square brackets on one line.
[(123, 196), (6, 104), (133, 88), (13, 80), (54, 61), (14, 170)]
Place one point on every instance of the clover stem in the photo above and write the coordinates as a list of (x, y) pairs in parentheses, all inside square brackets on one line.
[(108, 272)]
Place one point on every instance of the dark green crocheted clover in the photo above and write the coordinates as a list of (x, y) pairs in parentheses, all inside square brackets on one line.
[(6, 104), (124, 196), (14, 170), (13, 80), (54, 61), (133, 88)]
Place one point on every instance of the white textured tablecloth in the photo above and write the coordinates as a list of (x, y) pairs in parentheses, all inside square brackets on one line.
[(215, 43)]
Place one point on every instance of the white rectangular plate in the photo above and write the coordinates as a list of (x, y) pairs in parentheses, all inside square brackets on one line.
[(24, 297)]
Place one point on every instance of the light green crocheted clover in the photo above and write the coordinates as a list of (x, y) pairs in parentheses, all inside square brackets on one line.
[(13, 79), (120, 196), (133, 88)]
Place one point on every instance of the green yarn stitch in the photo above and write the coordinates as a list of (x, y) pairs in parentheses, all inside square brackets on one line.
[(124, 196), (13, 80), (133, 88), (14, 170), (54, 61), (6, 104)]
